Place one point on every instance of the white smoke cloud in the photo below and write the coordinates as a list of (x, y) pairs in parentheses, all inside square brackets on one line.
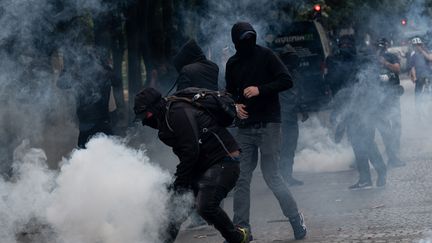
[(28, 196), (105, 193), (317, 151)]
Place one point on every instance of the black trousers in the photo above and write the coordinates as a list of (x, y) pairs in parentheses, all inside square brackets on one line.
[(388, 123), (210, 189), (362, 137)]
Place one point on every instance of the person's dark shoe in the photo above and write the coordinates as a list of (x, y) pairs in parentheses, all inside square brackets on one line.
[(293, 182), (395, 163), (361, 185), (381, 180), (245, 234), (299, 227)]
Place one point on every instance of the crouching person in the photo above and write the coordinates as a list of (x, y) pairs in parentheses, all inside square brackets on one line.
[(208, 154)]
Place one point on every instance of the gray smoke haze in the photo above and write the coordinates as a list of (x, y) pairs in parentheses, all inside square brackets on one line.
[(212, 27), (32, 105), (317, 150), (110, 193), (107, 193), (418, 22)]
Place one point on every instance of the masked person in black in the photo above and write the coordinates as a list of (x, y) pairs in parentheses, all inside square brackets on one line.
[(291, 105), (389, 119), (255, 76), (89, 78), (341, 67), (354, 89), (194, 69), (208, 167)]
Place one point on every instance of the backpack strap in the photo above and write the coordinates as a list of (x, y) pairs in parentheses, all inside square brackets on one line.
[(189, 116), (195, 126), (205, 130)]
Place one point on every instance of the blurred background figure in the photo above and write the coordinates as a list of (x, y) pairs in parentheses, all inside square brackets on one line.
[(389, 118), (92, 93), (419, 65), (290, 108), (342, 65)]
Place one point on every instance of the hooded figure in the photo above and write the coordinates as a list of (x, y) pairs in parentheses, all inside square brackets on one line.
[(208, 165), (194, 69), (255, 76), (342, 67), (243, 36)]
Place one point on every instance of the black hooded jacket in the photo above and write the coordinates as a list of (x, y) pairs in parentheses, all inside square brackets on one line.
[(194, 69), (181, 127), (257, 66)]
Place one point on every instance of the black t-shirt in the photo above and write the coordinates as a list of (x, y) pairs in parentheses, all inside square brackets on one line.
[(393, 78)]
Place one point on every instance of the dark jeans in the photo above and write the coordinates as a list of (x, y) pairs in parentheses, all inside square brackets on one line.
[(290, 134), (266, 139), (211, 188), (362, 138), (389, 125), (99, 127)]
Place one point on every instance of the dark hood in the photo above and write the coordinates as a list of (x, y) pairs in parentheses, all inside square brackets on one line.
[(244, 38), (188, 54), (239, 30)]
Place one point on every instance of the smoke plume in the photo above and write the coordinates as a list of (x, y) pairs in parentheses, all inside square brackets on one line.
[(105, 193)]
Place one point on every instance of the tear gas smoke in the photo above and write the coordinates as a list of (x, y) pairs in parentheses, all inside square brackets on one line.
[(28, 196), (106, 193), (317, 151)]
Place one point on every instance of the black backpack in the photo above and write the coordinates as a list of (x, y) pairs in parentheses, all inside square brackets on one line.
[(218, 104)]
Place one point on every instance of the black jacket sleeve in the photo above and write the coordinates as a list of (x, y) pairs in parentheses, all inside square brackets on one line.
[(183, 81), (187, 144), (231, 87), (280, 78)]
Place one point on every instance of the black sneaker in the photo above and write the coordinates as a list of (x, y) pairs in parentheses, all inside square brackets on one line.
[(294, 182), (298, 226), (245, 234), (361, 185), (381, 180)]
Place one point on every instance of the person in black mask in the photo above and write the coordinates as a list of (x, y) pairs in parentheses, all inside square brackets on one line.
[(194, 69), (291, 105), (389, 119), (255, 76), (342, 65), (208, 167)]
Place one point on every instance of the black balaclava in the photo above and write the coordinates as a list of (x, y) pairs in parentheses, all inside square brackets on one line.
[(243, 36), (149, 100)]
